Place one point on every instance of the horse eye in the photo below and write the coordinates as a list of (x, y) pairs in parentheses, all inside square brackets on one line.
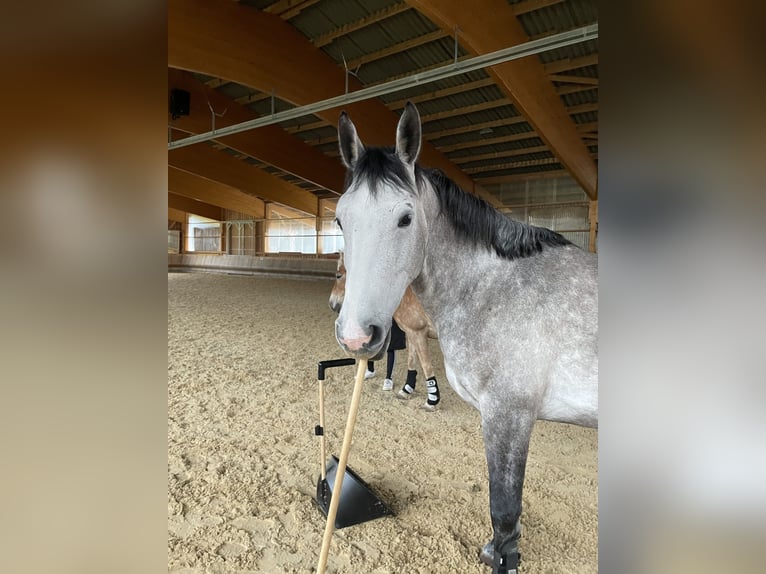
[(405, 220), (338, 222)]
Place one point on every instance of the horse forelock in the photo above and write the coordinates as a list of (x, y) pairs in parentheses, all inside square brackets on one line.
[(376, 167), (481, 224)]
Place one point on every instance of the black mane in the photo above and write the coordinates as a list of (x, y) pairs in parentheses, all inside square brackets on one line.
[(472, 218), (477, 221)]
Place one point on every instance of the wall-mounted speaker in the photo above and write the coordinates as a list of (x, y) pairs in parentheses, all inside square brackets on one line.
[(179, 103)]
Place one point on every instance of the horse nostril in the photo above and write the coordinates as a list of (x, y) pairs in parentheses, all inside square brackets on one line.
[(375, 335)]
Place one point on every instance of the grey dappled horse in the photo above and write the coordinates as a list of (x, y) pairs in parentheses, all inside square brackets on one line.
[(515, 306)]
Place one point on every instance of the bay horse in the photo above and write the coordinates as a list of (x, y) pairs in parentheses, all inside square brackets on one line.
[(515, 306), (418, 328)]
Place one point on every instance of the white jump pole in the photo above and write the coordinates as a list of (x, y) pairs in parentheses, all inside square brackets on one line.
[(335, 499)]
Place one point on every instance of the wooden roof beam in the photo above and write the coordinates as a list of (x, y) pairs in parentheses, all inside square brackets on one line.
[(201, 189), (582, 108), (574, 89), (176, 215), (532, 5), (270, 144), (500, 155), (525, 81), (467, 87), (220, 39), (502, 122), (514, 178), (587, 127), (181, 203), (216, 82), (466, 110), (475, 127), (513, 165), (252, 98), (308, 127), (329, 37), (287, 9), (551, 68), (204, 161), (397, 48), (558, 66), (573, 79), (489, 141)]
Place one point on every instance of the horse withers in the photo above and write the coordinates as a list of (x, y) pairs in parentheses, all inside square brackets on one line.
[(418, 328), (515, 306)]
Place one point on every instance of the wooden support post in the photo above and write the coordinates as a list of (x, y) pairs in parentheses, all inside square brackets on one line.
[(593, 218), (318, 228)]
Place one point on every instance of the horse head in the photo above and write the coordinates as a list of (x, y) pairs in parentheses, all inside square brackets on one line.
[(384, 229)]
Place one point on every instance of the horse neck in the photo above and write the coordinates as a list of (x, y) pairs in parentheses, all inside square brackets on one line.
[(450, 267)]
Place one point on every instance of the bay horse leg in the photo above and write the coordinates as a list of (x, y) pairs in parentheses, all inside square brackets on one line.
[(405, 393), (420, 344), (506, 442)]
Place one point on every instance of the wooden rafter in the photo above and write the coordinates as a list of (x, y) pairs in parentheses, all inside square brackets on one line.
[(201, 189), (532, 5), (573, 79), (396, 48), (524, 81), (216, 82), (462, 88), (573, 89), (500, 155), (474, 127), (516, 177), (399, 104), (488, 141), (466, 110), (513, 165), (433, 136), (220, 38), (582, 108), (205, 161), (176, 215), (329, 37), (252, 98), (558, 66), (287, 9), (187, 205), (307, 127), (587, 127), (270, 144)]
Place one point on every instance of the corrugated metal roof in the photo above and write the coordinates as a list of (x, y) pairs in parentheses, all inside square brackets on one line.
[(579, 98), (477, 137), (559, 17), (325, 17), (507, 159), (570, 52), (585, 118), (532, 141), (263, 107), (505, 112), (406, 63), (498, 119)]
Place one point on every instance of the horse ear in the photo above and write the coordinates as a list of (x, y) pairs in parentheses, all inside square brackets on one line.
[(408, 135), (351, 146)]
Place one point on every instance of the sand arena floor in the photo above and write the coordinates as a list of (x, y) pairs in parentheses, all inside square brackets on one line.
[(243, 460)]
